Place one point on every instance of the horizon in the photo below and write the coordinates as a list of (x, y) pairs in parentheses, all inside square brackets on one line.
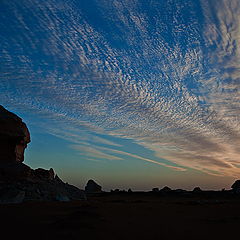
[(132, 94)]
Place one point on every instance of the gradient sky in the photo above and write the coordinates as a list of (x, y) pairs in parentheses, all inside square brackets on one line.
[(131, 93)]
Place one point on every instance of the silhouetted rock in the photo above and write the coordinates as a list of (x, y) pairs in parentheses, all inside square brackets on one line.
[(166, 189), (236, 186), (180, 191), (43, 174), (15, 171), (129, 190), (12, 196), (41, 190), (197, 190), (14, 137), (18, 182), (62, 198), (155, 189), (58, 180), (92, 187)]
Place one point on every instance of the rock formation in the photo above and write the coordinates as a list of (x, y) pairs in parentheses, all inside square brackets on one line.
[(18, 182), (155, 189), (197, 190), (92, 187), (14, 137), (236, 186), (166, 189)]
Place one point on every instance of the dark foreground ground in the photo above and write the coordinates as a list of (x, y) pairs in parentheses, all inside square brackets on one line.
[(124, 216)]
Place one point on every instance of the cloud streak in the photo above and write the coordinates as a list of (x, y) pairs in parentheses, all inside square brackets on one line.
[(168, 82)]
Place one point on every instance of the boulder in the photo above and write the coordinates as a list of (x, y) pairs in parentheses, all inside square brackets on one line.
[(155, 189), (166, 189), (15, 171), (197, 190), (92, 187)]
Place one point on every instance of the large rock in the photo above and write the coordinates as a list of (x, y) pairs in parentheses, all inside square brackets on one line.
[(15, 171), (166, 189), (40, 190), (197, 190), (19, 182), (92, 187), (12, 196), (236, 186), (14, 137)]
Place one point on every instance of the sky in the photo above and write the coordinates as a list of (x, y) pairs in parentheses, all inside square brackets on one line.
[(131, 93)]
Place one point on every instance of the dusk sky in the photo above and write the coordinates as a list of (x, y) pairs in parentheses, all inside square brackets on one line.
[(131, 93)]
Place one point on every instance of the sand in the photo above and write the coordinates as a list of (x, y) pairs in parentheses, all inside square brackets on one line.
[(124, 216)]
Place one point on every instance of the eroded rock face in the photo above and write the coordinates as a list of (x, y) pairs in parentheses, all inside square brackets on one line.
[(19, 182), (14, 137)]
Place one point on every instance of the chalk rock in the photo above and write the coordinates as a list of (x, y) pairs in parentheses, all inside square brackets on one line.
[(155, 189), (14, 137), (12, 196), (43, 174), (197, 190), (92, 187), (236, 186), (62, 198), (19, 182), (166, 189)]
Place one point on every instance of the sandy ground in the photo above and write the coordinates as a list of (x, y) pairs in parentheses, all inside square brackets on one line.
[(123, 216)]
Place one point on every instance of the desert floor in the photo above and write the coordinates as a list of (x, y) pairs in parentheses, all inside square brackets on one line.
[(124, 216)]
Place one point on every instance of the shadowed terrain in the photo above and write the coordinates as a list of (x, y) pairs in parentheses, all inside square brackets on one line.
[(125, 216)]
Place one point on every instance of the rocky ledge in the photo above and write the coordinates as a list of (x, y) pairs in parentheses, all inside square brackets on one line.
[(19, 182)]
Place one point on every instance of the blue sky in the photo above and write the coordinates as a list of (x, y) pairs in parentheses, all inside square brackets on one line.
[(130, 93)]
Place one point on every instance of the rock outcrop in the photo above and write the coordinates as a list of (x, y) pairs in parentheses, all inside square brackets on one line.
[(155, 189), (166, 189), (236, 186), (14, 137), (19, 182), (92, 187), (197, 190)]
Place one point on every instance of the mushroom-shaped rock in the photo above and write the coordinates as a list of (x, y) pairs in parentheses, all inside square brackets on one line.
[(92, 187), (14, 137)]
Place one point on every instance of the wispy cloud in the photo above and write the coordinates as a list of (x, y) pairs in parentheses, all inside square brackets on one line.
[(171, 88), (94, 152)]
